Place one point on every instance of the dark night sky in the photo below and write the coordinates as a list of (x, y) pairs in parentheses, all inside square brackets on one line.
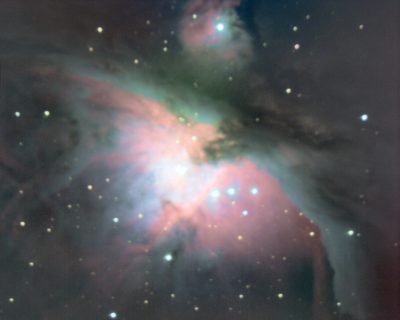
[(203, 159)]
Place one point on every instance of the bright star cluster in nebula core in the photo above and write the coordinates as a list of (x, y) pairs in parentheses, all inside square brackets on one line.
[(199, 159)]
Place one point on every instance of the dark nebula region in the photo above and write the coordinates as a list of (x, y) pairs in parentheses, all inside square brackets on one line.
[(199, 159)]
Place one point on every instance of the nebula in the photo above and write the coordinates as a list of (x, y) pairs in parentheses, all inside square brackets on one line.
[(197, 159), (214, 29)]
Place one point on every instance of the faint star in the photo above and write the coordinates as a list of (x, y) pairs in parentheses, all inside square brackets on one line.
[(216, 193)]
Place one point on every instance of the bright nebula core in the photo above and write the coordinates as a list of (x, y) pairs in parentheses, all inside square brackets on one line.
[(199, 159)]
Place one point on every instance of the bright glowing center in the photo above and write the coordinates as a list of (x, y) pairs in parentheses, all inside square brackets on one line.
[(181, 169)]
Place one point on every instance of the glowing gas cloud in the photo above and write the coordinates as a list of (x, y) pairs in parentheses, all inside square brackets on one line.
[(198, 159), (214, 28), (176, 201), (223, 200)]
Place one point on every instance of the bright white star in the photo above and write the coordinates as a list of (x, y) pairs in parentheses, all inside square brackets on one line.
[(254, 190), (168, 257), (220, 27), (231, 191)]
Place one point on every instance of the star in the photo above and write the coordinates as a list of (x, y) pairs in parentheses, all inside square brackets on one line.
[(168, 257), (254, 190), (220, 27), (216, 193)]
